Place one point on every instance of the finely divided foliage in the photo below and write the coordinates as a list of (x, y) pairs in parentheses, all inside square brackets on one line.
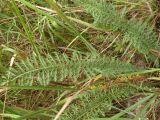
[(94, 100), (95, 103), (138, 33), (43, 70)]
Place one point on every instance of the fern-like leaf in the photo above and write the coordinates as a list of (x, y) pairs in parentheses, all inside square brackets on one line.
[(105, 16), (42, 70), (95, 103)]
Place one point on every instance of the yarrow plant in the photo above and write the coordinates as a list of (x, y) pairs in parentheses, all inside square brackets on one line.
[(58, 71)]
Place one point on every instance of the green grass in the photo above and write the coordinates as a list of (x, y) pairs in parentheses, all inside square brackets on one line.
[(77, 59)]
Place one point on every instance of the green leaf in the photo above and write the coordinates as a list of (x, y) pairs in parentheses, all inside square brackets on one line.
[(42, 70)]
